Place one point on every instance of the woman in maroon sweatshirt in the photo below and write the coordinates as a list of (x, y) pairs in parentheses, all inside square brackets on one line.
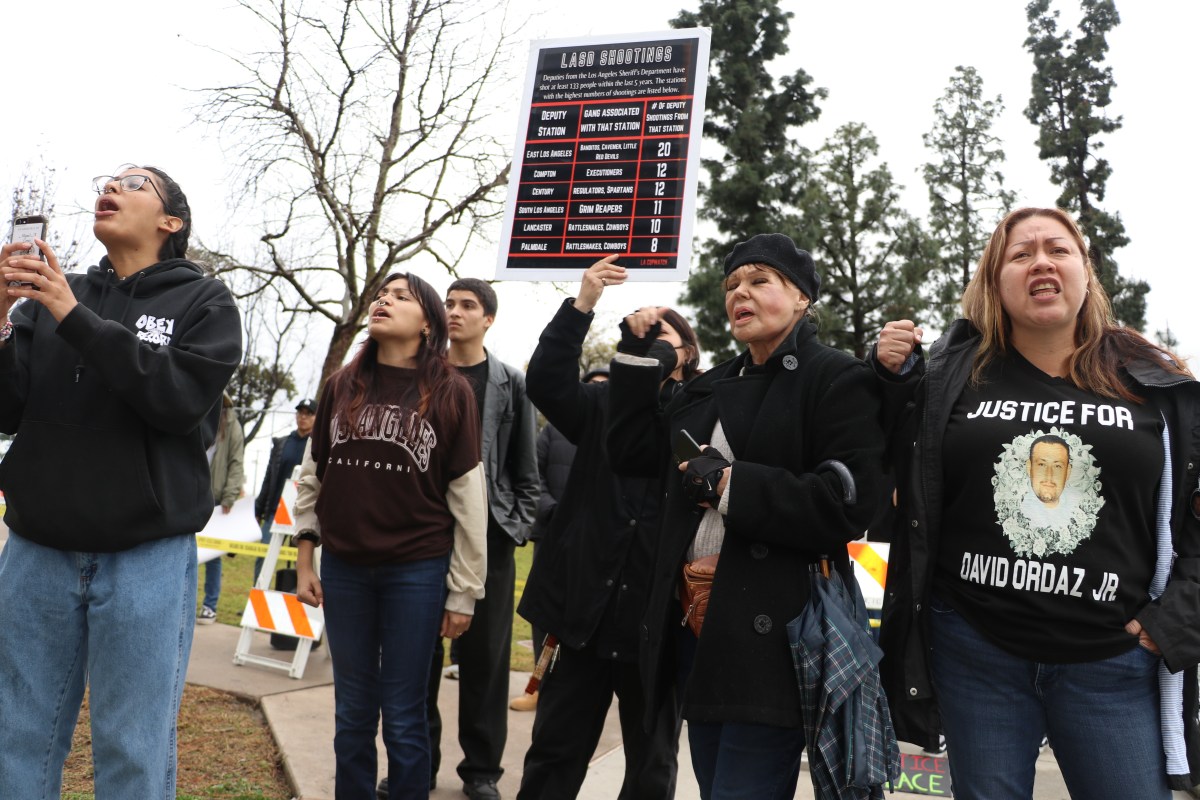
[(392, 487)]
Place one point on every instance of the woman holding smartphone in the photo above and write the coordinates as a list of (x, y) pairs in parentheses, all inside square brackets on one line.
[(106, 378), (392, 487), (764, 495)]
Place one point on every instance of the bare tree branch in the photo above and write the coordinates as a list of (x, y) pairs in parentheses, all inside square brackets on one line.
[(363, 127)]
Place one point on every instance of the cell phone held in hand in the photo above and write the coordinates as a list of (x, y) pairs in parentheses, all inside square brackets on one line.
[(684, 447), (26, 229)]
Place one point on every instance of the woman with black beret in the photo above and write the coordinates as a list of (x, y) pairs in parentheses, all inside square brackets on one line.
[(771, 417)]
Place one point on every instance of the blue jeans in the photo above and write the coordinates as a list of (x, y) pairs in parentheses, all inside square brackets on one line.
[(212, 582), (739, 760), (120, 623), (382, 622), (1102, 718), (735, 760)]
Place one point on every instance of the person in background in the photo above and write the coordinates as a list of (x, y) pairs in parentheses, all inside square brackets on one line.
[(1002, 623), (589, 584), (225, 457), (393, 489), (765, 495), (286, 454), (509, 435), (555, 453), (106, 378)]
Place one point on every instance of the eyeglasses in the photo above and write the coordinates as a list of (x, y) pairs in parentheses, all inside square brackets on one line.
[(129, 183)]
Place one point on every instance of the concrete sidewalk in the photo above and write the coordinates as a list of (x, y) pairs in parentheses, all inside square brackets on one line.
[(300, 714)]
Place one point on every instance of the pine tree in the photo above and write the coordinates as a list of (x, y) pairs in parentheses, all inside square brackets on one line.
[(1072, 88), (966, 188), (872, 255), (759, 168)]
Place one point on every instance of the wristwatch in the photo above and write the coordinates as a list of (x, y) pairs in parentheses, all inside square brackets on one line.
[(308, 535)]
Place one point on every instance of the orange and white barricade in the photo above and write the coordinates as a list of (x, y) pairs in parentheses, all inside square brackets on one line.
[(279, 612)]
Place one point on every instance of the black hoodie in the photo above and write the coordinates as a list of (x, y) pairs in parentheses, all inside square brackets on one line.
[(108, 404)]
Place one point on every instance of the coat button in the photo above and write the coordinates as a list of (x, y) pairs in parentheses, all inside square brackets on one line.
[(912, 692), (790, 362), (914, 523), (758, 550), (633, 523), (762, 624), (608, 582)]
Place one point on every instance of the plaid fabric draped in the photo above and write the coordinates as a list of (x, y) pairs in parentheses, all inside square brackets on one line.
[(852, 750)]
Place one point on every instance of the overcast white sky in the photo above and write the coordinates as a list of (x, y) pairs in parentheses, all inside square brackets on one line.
[(92, 86)]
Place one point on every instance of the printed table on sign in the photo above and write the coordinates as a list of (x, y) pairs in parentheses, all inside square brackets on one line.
[(607, 157)]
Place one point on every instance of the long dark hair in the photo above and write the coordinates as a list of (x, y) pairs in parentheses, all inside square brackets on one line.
[(442, 392), (175, 203), (691, 346)]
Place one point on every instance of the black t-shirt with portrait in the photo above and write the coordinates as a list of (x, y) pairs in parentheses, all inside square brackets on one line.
[(1048, 535)]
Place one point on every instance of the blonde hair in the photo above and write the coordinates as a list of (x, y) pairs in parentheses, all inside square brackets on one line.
[(1101, 345)]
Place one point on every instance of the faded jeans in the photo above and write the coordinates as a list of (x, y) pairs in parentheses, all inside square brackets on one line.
[(119, 623)]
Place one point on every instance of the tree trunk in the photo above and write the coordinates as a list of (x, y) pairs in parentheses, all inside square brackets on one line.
[(339, 345)]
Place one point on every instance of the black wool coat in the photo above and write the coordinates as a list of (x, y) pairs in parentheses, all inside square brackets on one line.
[(806, 404), (555, 454), (589, 582)]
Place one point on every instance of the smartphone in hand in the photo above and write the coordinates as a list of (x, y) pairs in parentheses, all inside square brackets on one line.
[(684, 447), (26, 229)]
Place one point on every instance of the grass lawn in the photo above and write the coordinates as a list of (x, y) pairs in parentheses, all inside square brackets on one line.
[(237, 577)]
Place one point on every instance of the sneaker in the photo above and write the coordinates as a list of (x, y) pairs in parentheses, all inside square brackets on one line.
[(450, 673), (207, 616), (524, 702)]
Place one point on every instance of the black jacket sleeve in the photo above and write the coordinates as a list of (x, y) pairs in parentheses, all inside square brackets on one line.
[(553, 376), (265, 493), (14, 367), (636, 436)]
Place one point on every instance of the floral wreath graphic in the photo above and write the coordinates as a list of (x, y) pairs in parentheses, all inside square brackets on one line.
[(1011, 484)]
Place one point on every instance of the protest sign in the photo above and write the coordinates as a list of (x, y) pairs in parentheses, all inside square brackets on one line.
[(607, 156), (923, 774)]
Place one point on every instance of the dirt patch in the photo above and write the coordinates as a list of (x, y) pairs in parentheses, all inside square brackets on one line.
[(225, 751)]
